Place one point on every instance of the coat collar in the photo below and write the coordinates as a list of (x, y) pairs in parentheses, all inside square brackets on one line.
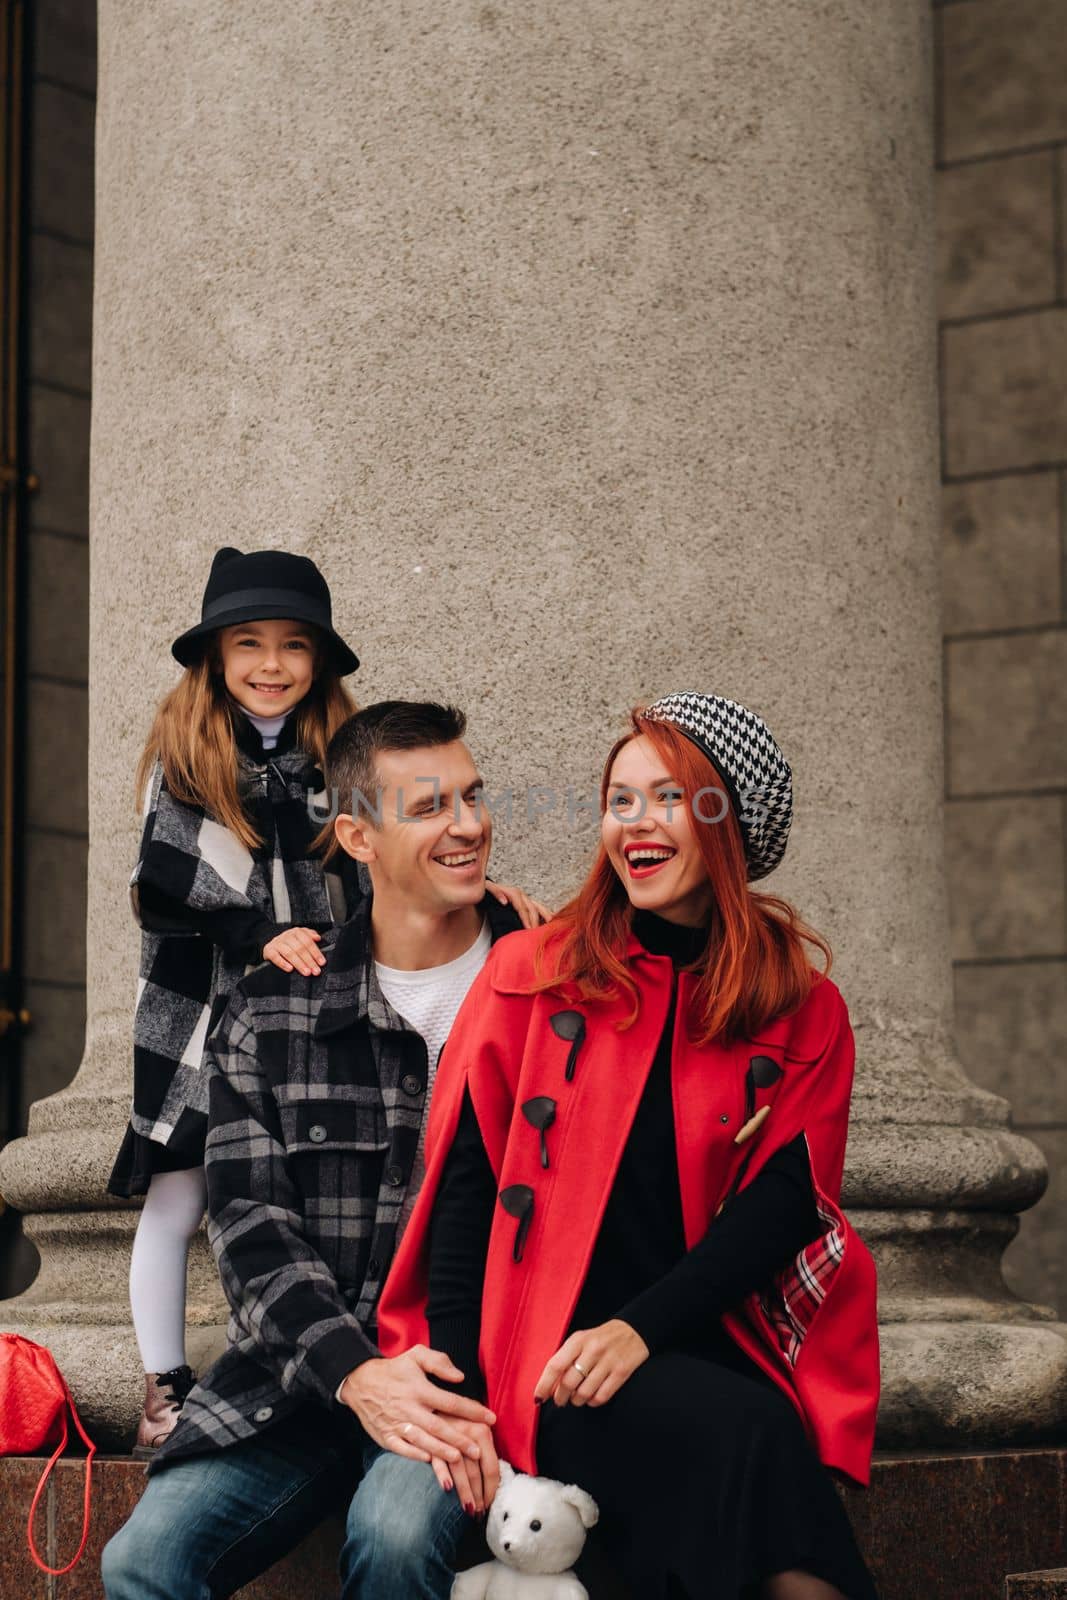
[(249, 740), (350, 987), (288, 760)]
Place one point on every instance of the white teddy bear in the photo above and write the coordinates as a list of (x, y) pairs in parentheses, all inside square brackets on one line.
[(536, 1530)]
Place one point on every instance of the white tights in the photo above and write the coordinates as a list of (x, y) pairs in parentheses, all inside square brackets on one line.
[(173, 1208)]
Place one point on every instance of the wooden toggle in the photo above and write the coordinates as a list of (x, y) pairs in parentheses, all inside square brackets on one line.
[(753, 1125)]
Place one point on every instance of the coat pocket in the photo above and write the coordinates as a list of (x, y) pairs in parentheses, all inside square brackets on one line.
[(352, 1120)]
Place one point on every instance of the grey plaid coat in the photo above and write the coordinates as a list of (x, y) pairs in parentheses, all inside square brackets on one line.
[(207, 905), (316, 1099)]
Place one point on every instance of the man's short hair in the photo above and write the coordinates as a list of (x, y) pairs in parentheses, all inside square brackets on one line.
[(352, 754)]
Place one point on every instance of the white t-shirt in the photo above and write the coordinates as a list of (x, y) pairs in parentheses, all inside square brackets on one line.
[(428, 1001)]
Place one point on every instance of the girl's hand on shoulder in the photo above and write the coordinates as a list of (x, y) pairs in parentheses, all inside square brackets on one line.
[(296, 948), (592, 1365), (531, 913)]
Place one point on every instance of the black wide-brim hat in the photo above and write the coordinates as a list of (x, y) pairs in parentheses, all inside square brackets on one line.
[(262, 584)]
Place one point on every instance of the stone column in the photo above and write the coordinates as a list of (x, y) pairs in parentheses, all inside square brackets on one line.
[(590, 350)]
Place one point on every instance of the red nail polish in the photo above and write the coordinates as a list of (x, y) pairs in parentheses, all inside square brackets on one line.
[(469, 1508), (449, 1485)]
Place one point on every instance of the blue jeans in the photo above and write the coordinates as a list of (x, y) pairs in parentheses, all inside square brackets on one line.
[(206, 1526)]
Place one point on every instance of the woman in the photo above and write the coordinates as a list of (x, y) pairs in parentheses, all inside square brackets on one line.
[(629, 1237)]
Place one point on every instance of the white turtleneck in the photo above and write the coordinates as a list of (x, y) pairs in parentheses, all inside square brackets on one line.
[(268, 728)]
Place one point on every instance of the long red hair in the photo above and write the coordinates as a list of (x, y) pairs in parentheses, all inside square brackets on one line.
[(756, 965)]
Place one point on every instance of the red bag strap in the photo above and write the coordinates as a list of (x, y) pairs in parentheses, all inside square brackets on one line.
[(57, 1572)]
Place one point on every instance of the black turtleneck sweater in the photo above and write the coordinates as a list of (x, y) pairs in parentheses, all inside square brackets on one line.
[(640, 1270)]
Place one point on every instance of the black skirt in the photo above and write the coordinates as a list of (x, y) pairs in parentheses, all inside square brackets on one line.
[(706, 1481)]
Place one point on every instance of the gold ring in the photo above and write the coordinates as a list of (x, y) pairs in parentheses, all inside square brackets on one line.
[(580, 1368)]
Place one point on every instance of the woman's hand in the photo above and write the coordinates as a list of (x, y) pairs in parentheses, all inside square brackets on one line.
[(592, 1365), (299, 948), (475, 1482), (531, 913)]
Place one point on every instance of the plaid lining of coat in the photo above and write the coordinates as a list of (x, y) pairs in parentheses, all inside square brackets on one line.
[(797, 1292), (317, 1089), (226, 901)]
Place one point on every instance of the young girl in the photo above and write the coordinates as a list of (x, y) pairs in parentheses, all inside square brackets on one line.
[(226, 877), (630, 1238)]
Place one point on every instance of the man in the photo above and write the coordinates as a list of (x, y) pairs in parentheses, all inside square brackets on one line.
[(319, 1091)]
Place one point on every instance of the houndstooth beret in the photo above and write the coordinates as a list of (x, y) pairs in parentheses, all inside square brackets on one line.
[(753, 769)]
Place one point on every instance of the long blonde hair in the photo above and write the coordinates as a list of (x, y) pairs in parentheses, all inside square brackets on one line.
[(192, 737)]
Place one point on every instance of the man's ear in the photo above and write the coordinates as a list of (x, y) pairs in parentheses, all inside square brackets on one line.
[(355, 837)]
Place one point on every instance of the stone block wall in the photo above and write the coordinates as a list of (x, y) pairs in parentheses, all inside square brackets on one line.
[(58, 309), (1001, 181)]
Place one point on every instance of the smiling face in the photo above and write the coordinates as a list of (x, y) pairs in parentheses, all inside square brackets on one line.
[(431, 846), (268, 666), (649, 834)]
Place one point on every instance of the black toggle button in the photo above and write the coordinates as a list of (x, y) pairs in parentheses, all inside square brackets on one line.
[(765, 1071), (518, 1201), (394, 1176), (410, 1084), (540, 1113), (374, 1266), (762, 1072), (569, 1025)]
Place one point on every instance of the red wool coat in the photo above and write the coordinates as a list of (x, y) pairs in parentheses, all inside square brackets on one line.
[(814, 1329)]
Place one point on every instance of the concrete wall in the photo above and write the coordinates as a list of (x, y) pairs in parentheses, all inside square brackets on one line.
[(59, 311), (1002, 171), (1002, 159)]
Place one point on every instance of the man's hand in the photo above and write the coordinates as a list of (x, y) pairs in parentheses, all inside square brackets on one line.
[(476, 1482), (404, 1412), (296, 947), (591, 1366)]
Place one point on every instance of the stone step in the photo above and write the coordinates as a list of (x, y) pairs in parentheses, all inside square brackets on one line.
[(1049, 1585), (932, 1527)]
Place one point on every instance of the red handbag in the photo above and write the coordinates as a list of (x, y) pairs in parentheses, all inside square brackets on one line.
[(33, 1415)]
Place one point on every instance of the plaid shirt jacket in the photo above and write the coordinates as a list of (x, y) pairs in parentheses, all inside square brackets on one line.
[(316, 1100)]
